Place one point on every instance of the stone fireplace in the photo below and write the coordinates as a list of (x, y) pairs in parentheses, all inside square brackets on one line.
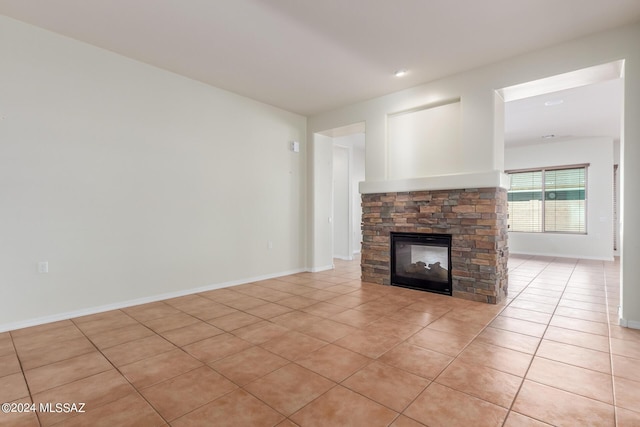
[(476, 219)]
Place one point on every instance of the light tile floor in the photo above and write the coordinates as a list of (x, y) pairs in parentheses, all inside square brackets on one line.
[(326, 349)]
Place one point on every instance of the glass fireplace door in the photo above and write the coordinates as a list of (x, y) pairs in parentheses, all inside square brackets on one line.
[(421, 261)]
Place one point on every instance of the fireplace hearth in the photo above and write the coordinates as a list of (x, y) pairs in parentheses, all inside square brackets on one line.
[(421, 261)]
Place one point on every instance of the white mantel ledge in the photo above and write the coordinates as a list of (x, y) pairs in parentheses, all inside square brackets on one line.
[(457, 181)]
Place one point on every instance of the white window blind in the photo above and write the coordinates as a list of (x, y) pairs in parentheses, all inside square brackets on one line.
[(525, 202), (548, 200)]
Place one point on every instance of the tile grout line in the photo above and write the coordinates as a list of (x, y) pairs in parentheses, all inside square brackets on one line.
[(287, 417), (613, 380), (24, 376), (371, 361), (118, 370), (524, 377), (242, 387), (454, 358), (138, 322), (399, 413), (610, 354), (138, 390), (89, 376)]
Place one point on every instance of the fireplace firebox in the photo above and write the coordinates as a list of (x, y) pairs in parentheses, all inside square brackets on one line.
[(421, 261)]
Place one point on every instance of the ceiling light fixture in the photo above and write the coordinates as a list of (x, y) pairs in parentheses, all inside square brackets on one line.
[(400, 73), (553, 102)]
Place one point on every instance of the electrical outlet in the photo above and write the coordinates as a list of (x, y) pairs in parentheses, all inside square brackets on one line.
[(43, 267)]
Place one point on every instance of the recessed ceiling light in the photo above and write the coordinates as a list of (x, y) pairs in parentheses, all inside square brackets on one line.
[(400, 73), (553, 102)]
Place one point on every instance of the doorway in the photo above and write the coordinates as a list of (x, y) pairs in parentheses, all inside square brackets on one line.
[(560, 122), (346, 148), (575, 117)]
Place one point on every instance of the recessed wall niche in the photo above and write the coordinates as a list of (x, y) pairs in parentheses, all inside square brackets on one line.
[(424, 141)]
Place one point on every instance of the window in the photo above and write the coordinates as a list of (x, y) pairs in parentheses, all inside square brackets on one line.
[(551, 200)]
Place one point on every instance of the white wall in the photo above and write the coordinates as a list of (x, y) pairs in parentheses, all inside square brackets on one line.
[(424, 142), (616, 161), (598, 242), (357, 176), (352, 172), (475, 132), (321, 186), (481, 122), (341, 203), (133, 182)]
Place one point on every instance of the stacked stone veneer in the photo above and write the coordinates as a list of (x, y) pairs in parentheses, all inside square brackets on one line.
[(476, 219)]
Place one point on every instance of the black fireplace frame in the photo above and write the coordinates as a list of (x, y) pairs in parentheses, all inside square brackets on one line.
[(421, 239)]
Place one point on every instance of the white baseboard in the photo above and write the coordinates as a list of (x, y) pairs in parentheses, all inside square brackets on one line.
[(633, 324), (318, 269), (344, 258), (144, 300), (547, 254)]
